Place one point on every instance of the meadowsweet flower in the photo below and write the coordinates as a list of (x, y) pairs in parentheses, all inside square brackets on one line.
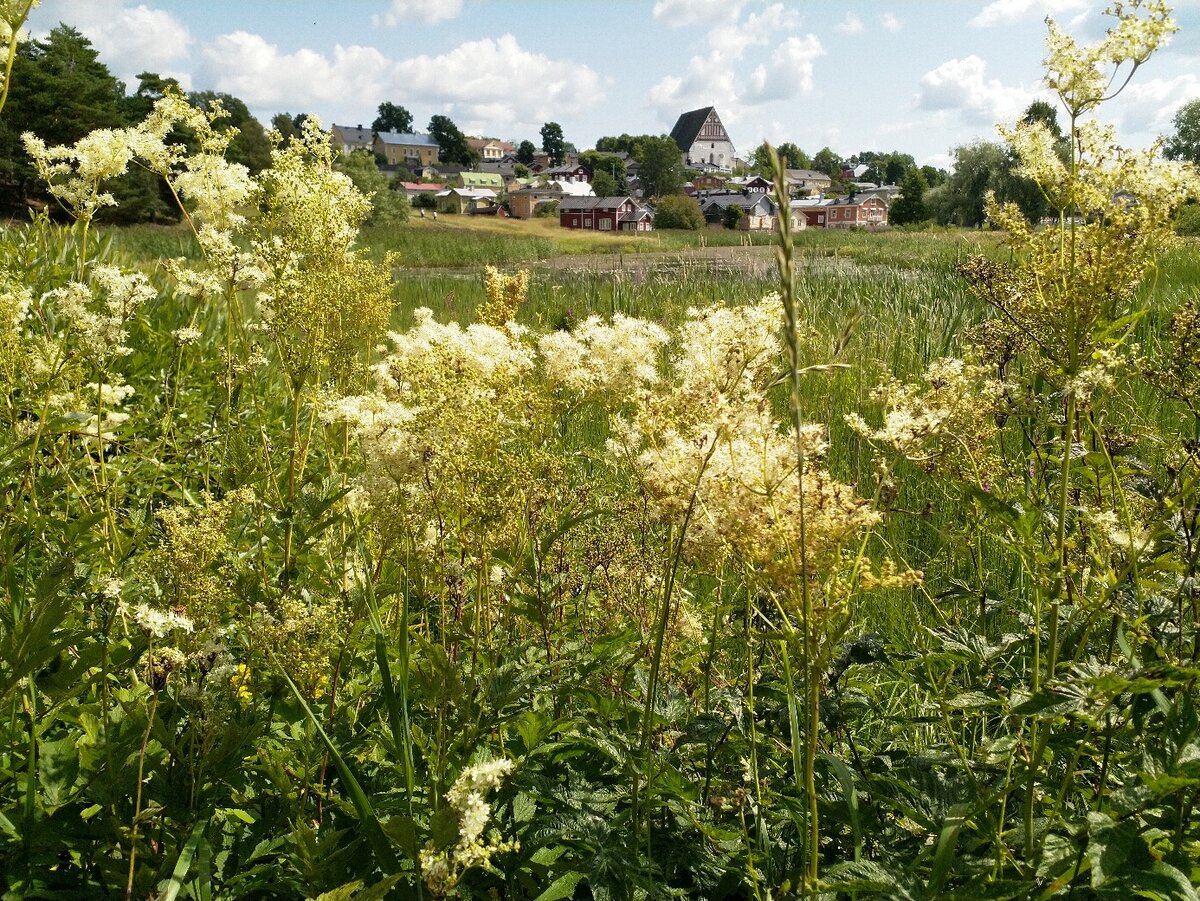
[(443, 867), (505, 294), (617, 359), (186, 336), (158, 623), (74, 174)]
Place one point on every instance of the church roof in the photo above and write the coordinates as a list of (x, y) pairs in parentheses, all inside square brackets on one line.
[(687, 127)]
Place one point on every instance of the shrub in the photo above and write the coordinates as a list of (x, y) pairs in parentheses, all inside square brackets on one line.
[(679, 211), (1187, 220), (732, 216)]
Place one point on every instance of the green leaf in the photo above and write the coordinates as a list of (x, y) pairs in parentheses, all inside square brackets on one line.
[(947, 844), (562, 887), (184, 863), (378, 841), (58, 768)]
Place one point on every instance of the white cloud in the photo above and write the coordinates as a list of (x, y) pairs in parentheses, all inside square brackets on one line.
[(852, 24), (960, 85), (1005, 12), (483, 85), (427, 12), (1148, 107), (678, 13), (247, 66), (890, 22), (130, 39), (702, 85), (789, 73), (730, 41), (497, 81)]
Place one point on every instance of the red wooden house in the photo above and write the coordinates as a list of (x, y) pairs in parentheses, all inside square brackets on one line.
[(604, 214)]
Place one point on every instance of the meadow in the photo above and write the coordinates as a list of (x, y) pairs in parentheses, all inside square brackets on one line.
[(475, 559)]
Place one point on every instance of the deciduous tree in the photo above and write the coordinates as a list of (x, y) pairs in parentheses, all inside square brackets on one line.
[(553, 143), (453, 143), (661, 165), (393, 118), (1184, 144), (678, 211), (909, 206)]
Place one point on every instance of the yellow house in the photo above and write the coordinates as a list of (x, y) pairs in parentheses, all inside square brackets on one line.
[(411, 150)]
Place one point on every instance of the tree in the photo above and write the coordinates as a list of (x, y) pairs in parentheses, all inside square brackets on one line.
[(1184, 145), (553, 144), (604, 185), (453, 143), (625, 143), (979, 168), (1041, 111), (828, 162), (793, 156), (897, 166), (661, 166), (393, 118), (612, 166), (909, 206), (151, 88), (934, 176), (525, 152), (732, 216), (678, 211), (288, 126), (60, 91), (388, 206)]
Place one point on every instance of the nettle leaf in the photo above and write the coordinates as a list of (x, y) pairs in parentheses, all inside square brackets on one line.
[(443, 828), (1113, 847), (58, 768)]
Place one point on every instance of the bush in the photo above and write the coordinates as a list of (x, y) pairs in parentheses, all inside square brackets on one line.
[(548, 210), (679, 211), (732, 216), (1187, 220)]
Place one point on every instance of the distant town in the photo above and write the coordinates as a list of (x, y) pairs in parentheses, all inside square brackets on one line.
[(620, 185)]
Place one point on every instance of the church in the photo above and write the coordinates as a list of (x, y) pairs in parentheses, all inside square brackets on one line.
[(703, 141)]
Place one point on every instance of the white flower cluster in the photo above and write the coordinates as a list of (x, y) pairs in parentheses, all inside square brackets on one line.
[(158, 623), (74, 174), (618, 359), (442, 869), (101, 332), (479, 353), (1083, 75), (709, 441)]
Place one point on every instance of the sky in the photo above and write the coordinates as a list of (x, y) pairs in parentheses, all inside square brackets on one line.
[(918, 76)]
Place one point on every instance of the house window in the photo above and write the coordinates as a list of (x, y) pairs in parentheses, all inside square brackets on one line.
[(605, 225), (587, 221)]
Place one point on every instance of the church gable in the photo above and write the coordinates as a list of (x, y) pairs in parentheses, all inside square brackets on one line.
[(702, 139)]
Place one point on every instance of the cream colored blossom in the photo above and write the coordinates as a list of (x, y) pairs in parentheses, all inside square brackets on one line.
[(442, 868), (618, 359)]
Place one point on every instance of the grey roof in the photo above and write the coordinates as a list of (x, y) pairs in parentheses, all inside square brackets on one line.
[(591, 203), (807, 173), (688, 126), (408, 140), (352, 134), (745, 201)]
